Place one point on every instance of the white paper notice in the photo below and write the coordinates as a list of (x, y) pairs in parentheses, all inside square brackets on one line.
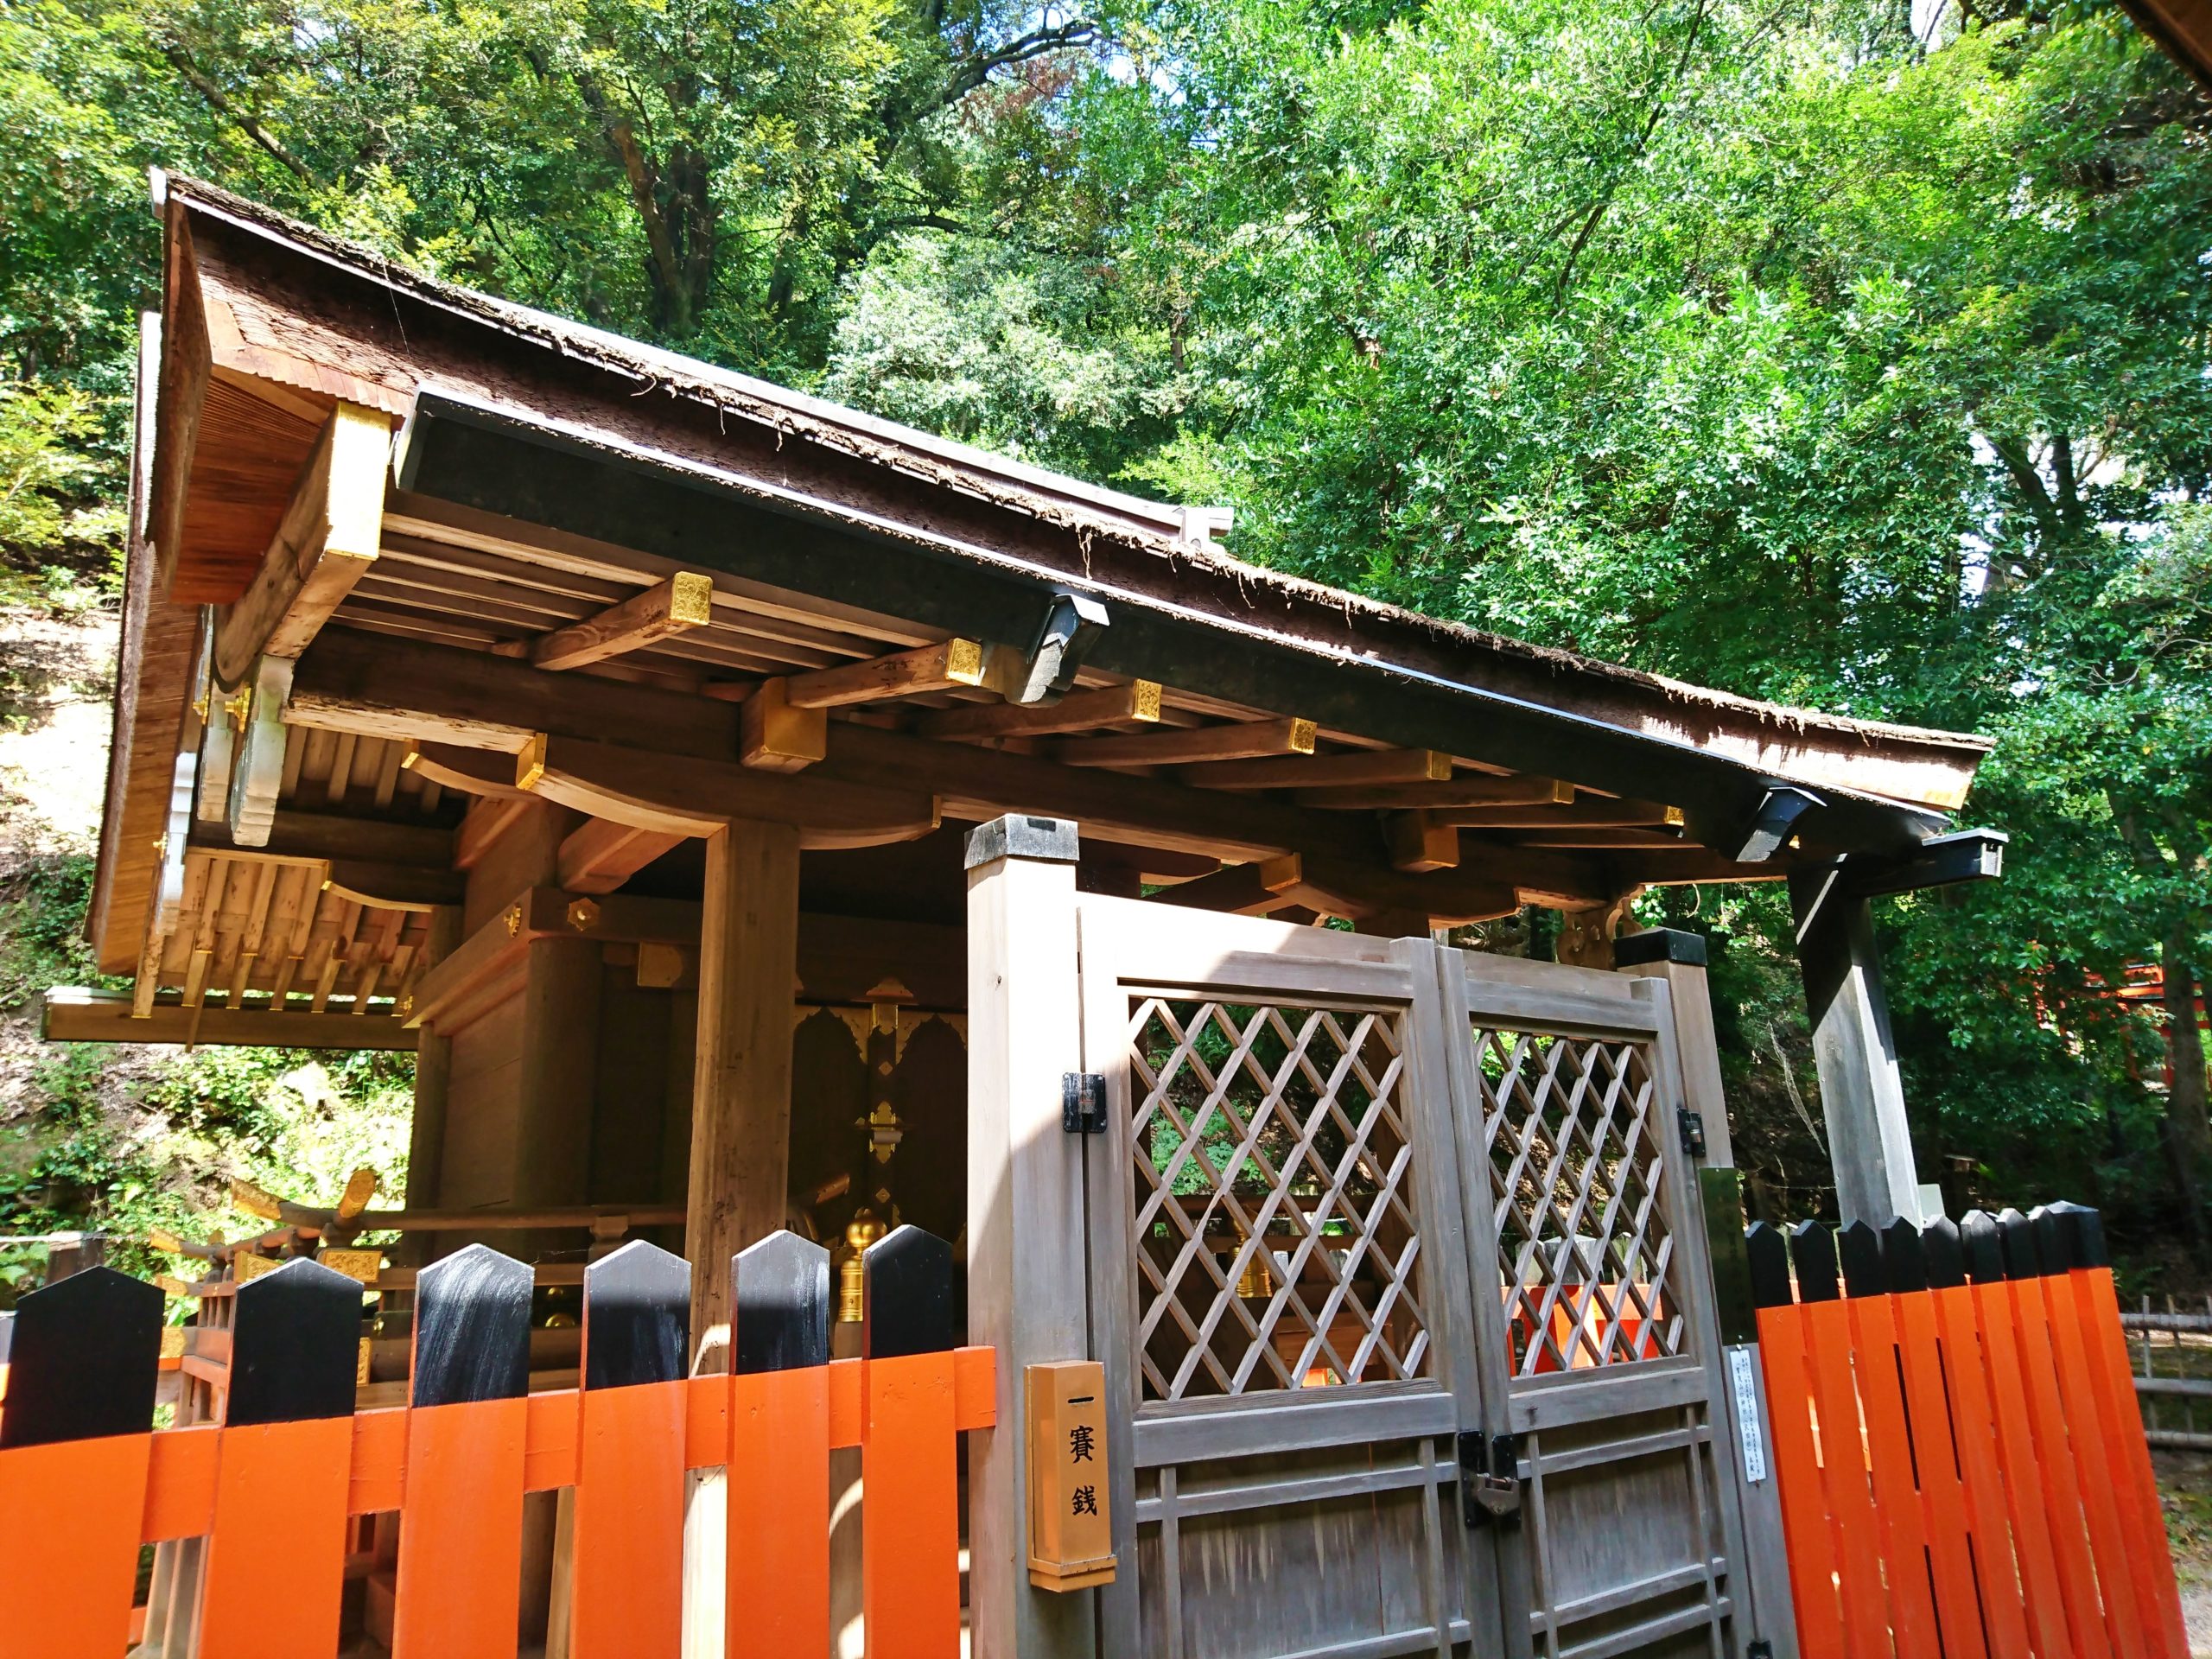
[(1749, 1433)]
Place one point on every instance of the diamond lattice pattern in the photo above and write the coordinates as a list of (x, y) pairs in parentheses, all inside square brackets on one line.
[(1578, 1183), (1277, 1246)]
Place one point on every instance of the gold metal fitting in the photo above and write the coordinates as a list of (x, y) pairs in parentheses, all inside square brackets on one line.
[(583, 915)]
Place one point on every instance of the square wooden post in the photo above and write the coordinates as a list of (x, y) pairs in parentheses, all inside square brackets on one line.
[(1862, 1094), (740, 1132), (1027, 1289)]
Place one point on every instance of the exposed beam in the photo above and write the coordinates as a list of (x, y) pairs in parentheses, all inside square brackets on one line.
[(600, 855), (394, 886), (1235, 888), (325, 543), (1419, 842), (1134, 703), (643, 791), (909, 673), (486, 772), (71, 1015), (1456, 793), (1333, 888), (1646, 841), (1353, 766), (489, 819), (414, 690), (1238, 740), (684, 601), (1592, 812), (774, 736)]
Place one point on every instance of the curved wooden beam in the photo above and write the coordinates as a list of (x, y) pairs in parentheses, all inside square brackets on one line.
[(654, 792), (472, 772)]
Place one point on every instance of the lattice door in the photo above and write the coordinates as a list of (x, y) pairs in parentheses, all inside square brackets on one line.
[(1276, 1244), (1578, 1183), (1592, 1299), (1278, 1291)]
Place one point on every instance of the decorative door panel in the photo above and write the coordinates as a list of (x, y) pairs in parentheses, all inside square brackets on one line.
[(1593, 1312), (1278, 1291)]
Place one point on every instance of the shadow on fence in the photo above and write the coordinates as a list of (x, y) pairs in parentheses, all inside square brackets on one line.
[(1960, 1466), (85, 1481)]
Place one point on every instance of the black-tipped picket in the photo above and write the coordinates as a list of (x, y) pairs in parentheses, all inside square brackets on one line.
[(1904, 1258), (1943, 1254), (1812, 1252), (780, 1296), (636, 1316), (1985, 1247), (296, 1341), (472, 1329), (1859, 1248), (1769, 1257), (2018, 1235), (909, 1295), (2085, 1234), (84, 1360)]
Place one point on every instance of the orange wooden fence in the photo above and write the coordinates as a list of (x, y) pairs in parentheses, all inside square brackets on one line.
[(276, 1488), (1956, 1446)]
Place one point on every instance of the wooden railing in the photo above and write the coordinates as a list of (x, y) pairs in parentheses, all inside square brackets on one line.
[(1961, 1467), (276, 1494)]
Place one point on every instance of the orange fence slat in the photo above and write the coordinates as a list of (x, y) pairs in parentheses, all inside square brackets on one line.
[(1844, 1477), (550, 1456), (2099, 1477), (2104, 1347), (1935, 1465), (459, 1594), (2062, 1482), (377, 1480), (626, 1599), (1797, 1472), (66, 1580), (258, 1598), (1896, 1499), (778, 1495), (910, 1524), (181, 1483), (1974, 1437), (2049, 1624)]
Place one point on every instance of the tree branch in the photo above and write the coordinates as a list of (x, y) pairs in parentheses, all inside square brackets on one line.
[(219, 101), (1038, 43)]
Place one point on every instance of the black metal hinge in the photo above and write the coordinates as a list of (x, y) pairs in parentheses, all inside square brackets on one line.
[(1693, 1127), (1082, 1103)]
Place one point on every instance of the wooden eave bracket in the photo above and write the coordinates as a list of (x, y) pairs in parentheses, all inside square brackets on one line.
[(325, 543)]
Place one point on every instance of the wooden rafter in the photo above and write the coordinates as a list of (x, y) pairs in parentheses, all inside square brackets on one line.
[(909, 673), (1419, 842), (325, 542), (685, 600), (1135, 704), (1589, 813), (1357, 766), (1444, 797), (1238, 740), (422, 691)]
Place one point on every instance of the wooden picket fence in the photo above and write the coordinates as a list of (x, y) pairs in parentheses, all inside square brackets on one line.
[(275, 1490), (1960, 1464)]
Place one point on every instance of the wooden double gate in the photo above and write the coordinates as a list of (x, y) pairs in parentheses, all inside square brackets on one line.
[(1399, 1275)]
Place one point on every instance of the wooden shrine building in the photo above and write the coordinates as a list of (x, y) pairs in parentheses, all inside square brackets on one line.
[(748, 808)]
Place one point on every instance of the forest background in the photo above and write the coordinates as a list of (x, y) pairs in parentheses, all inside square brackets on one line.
[(1843, 353)]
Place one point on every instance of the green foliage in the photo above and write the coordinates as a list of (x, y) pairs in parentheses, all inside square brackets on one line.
[(1775, 349)]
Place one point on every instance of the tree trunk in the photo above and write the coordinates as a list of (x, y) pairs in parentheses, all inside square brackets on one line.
[(2189, 1130)]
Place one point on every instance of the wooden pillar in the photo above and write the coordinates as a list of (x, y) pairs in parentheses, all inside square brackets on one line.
[(426, 1140), (1677, 957), (741, 1077), (1862, 1094), (741, 1133), (1026, 1277)]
